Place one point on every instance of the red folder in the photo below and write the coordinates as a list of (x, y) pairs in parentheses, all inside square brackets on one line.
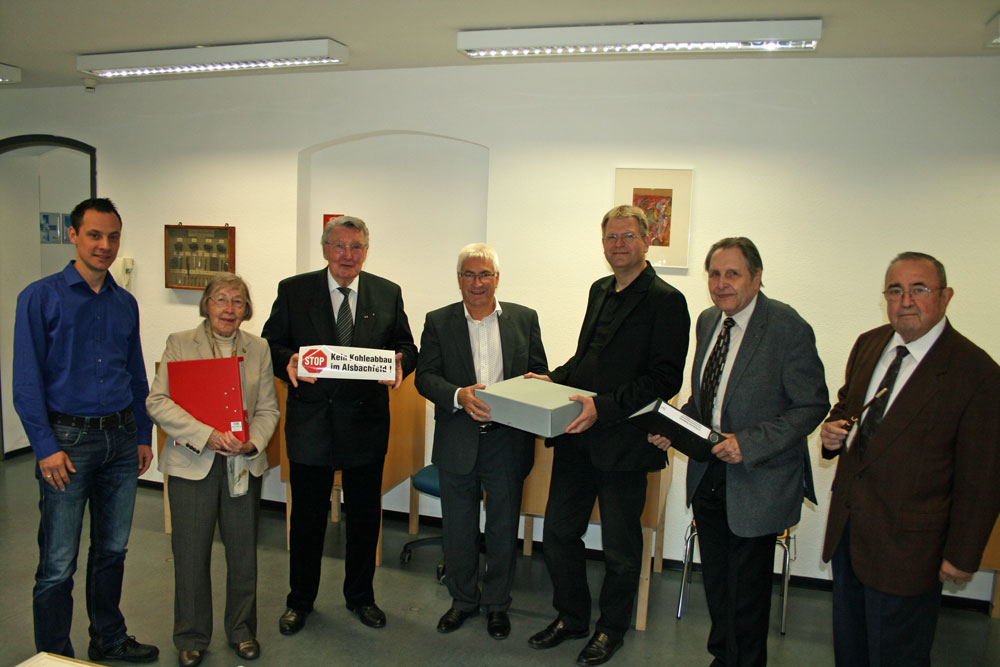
[(211, 391)]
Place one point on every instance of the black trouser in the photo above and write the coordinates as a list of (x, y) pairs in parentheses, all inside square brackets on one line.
[(311, 487), (738, 573), (622, 495)]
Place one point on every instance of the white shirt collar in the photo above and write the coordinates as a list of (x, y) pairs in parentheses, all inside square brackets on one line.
[(920, 347), (332, 283), (496, 309), (742, 318)]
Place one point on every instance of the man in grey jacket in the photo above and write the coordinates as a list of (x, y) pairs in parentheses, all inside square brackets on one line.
[(758, 379)]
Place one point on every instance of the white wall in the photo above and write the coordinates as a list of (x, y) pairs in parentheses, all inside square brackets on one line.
[(831, 166)]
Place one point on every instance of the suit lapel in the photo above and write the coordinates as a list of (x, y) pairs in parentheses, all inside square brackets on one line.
[(507, 333), (364, 318), (321, 311), (590, 319), (705, 341)]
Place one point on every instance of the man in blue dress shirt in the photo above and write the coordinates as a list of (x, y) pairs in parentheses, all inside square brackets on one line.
[(80, 390)]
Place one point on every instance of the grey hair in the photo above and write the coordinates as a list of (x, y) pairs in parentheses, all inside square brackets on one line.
[(220, 281), (479, 251), (348, 221)]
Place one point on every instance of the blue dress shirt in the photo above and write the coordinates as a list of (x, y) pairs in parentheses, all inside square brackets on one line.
[(76, 352)]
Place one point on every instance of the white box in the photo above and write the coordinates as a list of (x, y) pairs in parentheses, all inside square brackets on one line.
[(346, 363), (536, 406)]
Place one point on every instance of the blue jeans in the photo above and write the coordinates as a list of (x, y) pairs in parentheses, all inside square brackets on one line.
[(107, 463)]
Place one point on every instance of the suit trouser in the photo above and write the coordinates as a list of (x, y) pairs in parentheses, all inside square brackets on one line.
[(311, 487), (876, 629), (499, 471), (621, 495), (738, 575), (195, 508)]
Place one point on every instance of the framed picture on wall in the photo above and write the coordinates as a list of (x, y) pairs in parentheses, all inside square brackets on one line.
[(49, 227), (65, 228), (665, 196)]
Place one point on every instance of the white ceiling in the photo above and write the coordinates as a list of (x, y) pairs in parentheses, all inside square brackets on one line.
[(43, 37)]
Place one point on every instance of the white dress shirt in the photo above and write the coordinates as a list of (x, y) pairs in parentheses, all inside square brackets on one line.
[(487, 355), (337, 297)]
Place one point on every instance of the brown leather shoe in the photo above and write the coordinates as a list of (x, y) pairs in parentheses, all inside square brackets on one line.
[(190, 657), (555, 634), (248, 650)]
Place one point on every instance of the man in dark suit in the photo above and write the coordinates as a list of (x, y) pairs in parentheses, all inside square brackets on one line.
[(336, 424), (630, 352), (467, 346), (758, 379), (916, 494)]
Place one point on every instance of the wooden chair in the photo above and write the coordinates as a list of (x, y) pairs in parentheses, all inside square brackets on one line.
[(536, 494)]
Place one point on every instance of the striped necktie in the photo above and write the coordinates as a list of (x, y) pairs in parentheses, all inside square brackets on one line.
[(345, 323), (877, 409)]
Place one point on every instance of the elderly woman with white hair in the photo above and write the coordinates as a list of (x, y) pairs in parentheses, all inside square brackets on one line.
[(208, 480)]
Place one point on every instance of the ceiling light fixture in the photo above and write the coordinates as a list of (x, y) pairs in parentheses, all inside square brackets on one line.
[(207, 59), (10, 74), (643, 39), (993, 32)]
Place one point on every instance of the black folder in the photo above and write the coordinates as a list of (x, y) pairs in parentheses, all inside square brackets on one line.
[(686, 435)]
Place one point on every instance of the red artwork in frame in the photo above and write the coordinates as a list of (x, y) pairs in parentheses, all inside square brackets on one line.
[(658, 206)]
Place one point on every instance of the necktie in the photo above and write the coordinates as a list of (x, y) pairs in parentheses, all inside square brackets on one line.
[(877, 409), (713, 371), (345, 325)]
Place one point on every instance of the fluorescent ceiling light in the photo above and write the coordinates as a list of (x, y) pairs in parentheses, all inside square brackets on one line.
[(643, 38), (203, 59), (9, 74), (993, 32)]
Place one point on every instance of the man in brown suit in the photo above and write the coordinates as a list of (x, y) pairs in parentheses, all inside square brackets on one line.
[(916, 494)]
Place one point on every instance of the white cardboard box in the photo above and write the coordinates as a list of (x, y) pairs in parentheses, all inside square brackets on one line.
[(536, 406), (346, 363)]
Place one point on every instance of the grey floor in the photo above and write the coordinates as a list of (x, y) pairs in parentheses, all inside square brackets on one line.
[(412, 599)]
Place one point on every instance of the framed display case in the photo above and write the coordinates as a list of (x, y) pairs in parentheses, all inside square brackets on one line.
[(193, 254)]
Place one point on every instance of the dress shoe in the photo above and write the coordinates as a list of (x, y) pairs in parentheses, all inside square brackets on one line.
[(453, 619), (128, 651), (370, 615), (248, 650), (292, 621), (598, 650), (498, 624), (190, 657), (555, 634)]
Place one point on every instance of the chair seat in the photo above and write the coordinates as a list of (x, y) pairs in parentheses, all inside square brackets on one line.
[(426, 480)]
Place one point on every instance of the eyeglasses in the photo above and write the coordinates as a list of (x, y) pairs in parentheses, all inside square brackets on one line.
[(916, 293), (483, 275), (627, 237), (224, 301), (342, 248)]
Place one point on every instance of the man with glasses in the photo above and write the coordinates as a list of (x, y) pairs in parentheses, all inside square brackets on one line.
[(630, 352), (80, 390), (916, 494), (336, 424), (467, 346)]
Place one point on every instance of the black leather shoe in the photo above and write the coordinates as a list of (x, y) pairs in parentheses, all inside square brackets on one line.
[(128, 651), (498, 624), (453, 619), (248, 650), (555, 634), (598, 650), (292, 621), (190, 657), (370, 615)]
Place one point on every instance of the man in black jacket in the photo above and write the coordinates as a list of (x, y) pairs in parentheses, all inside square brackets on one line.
[(336, 424), (630, 352)]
